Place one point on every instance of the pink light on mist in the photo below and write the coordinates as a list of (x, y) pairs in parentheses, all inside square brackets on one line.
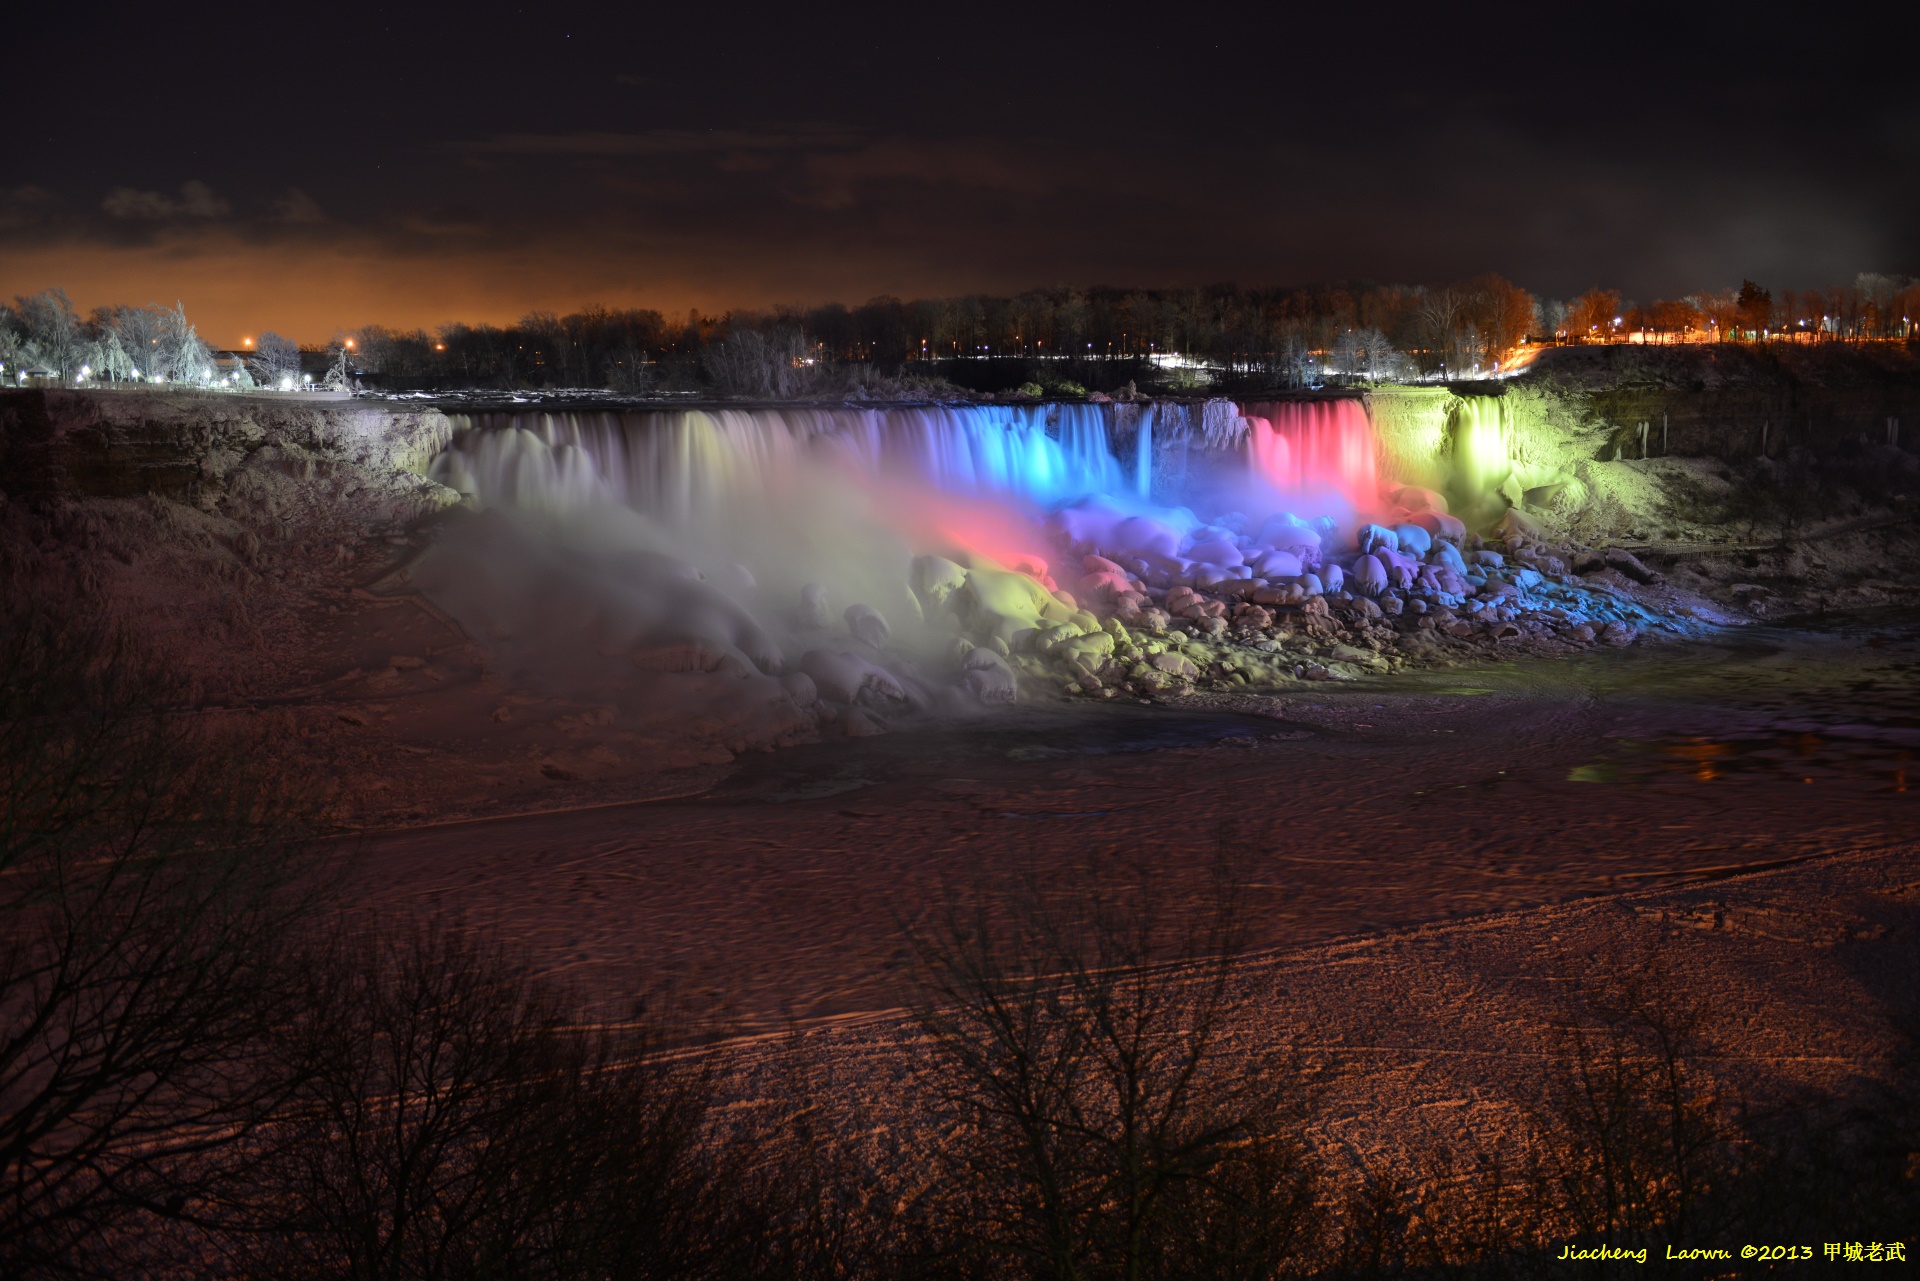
[(1313, 448), (951, 525)]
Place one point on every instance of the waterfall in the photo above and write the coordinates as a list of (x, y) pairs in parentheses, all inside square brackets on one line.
[(1143, 458), (1504, 457), (961, 476), (1482, 442), (1316, 447), (749, 532), (681, 464)]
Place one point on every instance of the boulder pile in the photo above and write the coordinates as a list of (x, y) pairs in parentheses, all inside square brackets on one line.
[(1155, 609)]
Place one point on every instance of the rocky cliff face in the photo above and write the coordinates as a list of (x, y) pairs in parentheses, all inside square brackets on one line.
[(1735, 400), (211, 451), (215, 525)]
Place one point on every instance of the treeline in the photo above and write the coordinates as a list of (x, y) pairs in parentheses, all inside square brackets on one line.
[(1056, 339), (209, 1065), (1873, 307), (1099, 337), (1103, 337)]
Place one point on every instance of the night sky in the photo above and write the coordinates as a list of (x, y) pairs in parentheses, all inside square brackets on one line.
[(307, 167)]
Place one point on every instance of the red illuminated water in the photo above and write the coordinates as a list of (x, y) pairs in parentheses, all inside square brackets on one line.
[(1312, 448)]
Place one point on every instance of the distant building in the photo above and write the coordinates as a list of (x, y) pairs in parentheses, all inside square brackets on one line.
[(40, 376)]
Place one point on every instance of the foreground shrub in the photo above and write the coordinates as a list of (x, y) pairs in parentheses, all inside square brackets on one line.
[(148, 881), (1096, 1124)]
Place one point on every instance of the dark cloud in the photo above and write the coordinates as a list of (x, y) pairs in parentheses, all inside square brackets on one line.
[(296, 206), (719, 158), (656, 142), (196, 200), (25, 206)]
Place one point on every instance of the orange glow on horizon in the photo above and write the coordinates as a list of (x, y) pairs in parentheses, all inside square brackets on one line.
[(233, 287)]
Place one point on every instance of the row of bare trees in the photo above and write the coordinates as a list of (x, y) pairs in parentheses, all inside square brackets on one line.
[(210, 1066)]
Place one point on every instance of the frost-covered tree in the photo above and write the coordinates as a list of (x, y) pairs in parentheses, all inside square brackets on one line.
[(160, 344), (55, 332), (109, 357), (143, 334), (190, 358), (1368, 354), (339, 371), (1294, 360), (276, 363)]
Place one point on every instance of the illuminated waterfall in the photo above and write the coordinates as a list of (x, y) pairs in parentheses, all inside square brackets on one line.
[(1316, 447), (1482, 442), (978, 479), (677, 465), (1143, 458)]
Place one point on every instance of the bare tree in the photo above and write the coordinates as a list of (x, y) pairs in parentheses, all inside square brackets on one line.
[(456, 1119), (750, 363), (1101, 1126), (628, 369), (1638, 1142), (1441, 314), (1369, 354), (146, 889), (1591, 315), (277, 361)]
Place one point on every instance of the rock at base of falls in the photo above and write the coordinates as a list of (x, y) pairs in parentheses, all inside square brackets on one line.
[(1632, 566), (1441, 526), (846, 677), (986, 676), (814, 612), (800, 688), (1414, 540), (934, 580), (867, 626), (1372, 538)]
